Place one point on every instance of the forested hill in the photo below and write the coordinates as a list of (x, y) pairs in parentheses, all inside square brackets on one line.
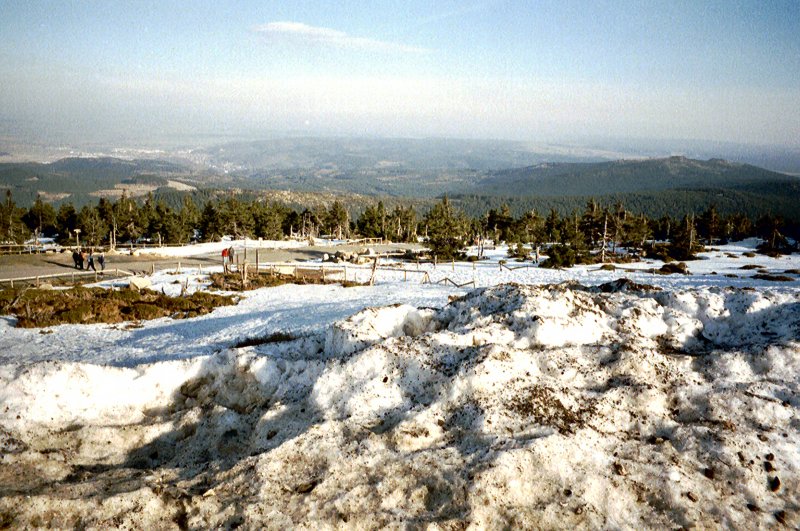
[(82, 180), (627, 176)]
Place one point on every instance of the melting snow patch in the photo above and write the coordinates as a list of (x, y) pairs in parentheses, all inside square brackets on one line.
[(514, 406)]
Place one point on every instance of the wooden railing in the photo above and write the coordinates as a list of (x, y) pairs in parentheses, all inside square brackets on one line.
[(72, 275)]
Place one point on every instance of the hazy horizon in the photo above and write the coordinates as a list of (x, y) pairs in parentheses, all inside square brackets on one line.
[(542, 72)]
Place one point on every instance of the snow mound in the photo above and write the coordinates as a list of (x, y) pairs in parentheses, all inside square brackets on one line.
[(559, 406), (373, 325)]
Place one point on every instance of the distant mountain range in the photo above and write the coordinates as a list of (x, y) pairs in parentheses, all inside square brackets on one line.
[(676, 183), (626, 176)]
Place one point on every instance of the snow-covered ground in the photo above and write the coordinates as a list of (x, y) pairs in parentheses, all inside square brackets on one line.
[(524, 403)]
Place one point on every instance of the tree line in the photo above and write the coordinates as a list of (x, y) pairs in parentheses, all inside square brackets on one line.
[(592, 232)]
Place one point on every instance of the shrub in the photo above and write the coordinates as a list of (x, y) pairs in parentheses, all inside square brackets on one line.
[(773, 278), (560, 255), (34, 308), (669, 269)]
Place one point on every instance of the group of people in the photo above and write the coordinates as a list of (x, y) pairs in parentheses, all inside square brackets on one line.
[(227, 258), (81, 257)]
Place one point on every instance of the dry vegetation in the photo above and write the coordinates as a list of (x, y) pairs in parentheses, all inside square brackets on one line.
[(38, 308), (233, 281)]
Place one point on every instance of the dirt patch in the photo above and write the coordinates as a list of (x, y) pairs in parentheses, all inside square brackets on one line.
[(673, 268), (233, 281), (540, 404), (773, 278), (38, 308), (277, 337)]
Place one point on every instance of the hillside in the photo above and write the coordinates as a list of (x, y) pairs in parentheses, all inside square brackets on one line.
[(356, 175), (82, 180), (624, 176)]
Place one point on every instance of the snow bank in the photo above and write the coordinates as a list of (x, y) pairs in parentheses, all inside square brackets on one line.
[(563, 406), (374, 325)]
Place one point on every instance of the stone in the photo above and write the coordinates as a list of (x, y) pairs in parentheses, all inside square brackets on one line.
[(139, 283)]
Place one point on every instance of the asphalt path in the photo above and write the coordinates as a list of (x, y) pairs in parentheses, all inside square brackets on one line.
[(31, 265)]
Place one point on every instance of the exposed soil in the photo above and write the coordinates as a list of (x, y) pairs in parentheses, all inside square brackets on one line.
[(773, 278)]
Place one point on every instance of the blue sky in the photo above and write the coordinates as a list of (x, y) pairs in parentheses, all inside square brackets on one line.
[(538, 71)]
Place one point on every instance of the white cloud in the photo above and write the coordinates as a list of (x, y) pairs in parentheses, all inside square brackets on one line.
[(297, 32)]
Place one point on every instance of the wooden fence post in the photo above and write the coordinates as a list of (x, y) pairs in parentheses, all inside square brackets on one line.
[(374, 269)]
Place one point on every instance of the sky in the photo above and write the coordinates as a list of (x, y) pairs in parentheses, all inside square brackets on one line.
[(519, 70)]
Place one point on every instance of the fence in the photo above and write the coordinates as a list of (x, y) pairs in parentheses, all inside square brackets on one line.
[(37, 280)]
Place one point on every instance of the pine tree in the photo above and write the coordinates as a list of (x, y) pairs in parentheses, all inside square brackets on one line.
[(337, 221), (446, 227), (11, 227), (66, 222), (188, 218), (684, 244), (209, 224), (40, 218), (402, 224), (268, 219), (369, 223), (93, 228), (708, 225), (592, 223)]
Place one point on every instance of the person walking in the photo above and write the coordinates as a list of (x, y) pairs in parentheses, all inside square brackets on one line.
[(102, 261), (225, 260), (90, 262), (77, 260)]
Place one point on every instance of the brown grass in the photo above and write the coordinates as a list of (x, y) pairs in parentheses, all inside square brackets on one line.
[(233, 281), (673, 268), (773, 278), (35, 307)]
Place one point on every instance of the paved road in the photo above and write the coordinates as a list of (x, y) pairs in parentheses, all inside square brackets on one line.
[(30, 265)]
